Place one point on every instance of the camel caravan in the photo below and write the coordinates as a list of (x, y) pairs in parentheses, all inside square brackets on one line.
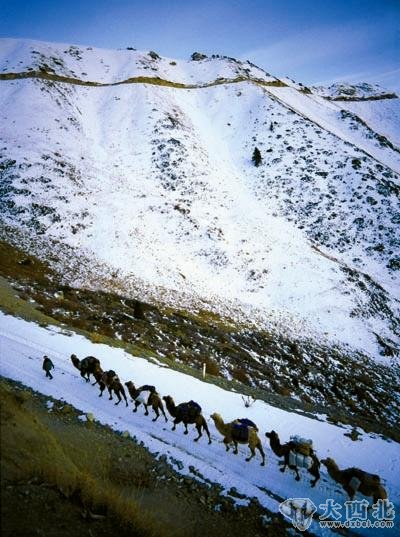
[(297, 453)]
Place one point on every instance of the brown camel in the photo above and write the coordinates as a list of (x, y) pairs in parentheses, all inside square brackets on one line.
[(283, 450), (186, 413), (97, 373), (85, 366), (354, 480), (110, 380), (239, 432), (149, 397)]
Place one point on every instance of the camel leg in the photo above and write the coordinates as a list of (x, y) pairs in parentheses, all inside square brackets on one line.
[(375, 498), (119, 399), (252, 450), (176, 421), (198, 427), (157, 413), (235, 450), (102, 388), (110, 392), (292, 467), (350, 491), (146, 412), (285, 462), (137, 404), (205, 427), (161, 407), (260, 449), (186, 429), (314, 471), (226, 444)]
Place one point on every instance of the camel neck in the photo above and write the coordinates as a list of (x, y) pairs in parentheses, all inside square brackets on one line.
[(171, 407), (220, 425), (333, 471), (275, 443)]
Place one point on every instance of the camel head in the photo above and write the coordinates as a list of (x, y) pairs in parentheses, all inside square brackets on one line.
[(75, 360), (169, 400), (216, 417), (329, 463), (271, 434), (130, 385)]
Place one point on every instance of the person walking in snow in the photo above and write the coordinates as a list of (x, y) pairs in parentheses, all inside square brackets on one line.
[(48, 366)]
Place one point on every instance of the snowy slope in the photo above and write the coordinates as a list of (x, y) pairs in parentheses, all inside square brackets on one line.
[(23, 344), (377, 107), (329, 116), (362, 91), (156, 184), (111, 66), (382, 115)]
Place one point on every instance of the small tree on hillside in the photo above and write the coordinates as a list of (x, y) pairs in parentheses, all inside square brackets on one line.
[(138, 311), (256, 158)]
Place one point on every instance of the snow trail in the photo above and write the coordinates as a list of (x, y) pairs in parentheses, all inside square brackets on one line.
[(23, 344)]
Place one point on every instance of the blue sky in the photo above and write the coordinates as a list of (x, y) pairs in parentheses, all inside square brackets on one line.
[(316, 41)]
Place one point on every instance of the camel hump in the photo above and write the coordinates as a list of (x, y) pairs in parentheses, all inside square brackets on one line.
[(195, 406), (112, 376), (147, 388), (374, 477), (302, 445), (240, 431), (191, 409), (247, 422)]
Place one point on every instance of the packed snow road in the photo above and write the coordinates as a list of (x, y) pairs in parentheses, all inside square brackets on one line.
[(23, 344)]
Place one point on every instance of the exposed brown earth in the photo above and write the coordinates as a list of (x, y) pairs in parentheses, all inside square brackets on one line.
[(61, 476)]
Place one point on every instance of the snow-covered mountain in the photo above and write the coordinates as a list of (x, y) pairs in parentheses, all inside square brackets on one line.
[(344, 91), (137, 169)]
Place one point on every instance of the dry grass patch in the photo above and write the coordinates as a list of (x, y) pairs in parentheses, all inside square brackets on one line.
[(84, 475)]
